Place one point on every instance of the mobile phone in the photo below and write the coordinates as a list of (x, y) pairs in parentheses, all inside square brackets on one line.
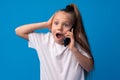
[(67, 40)]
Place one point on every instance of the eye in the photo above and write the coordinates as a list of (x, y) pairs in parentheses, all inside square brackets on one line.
[(56, 23), (66, 25)]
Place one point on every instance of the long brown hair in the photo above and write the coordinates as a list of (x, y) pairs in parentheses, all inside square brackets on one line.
[(80, 35)]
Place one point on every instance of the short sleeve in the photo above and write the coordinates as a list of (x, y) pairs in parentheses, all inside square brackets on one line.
[(83, 52), (32, 40), (37, 40)]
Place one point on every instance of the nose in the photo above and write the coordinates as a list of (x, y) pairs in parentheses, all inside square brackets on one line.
[(60, 27)]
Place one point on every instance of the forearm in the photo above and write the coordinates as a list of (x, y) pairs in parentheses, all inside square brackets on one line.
[(85, 62), (30, 27), (24, 30)]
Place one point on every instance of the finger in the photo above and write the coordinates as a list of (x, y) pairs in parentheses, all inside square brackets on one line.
[(68, 34), (72, 30), (51, 18)]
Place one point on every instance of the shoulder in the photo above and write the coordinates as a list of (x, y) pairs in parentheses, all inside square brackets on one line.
[(35, 34), (41, 37), (38, 39)]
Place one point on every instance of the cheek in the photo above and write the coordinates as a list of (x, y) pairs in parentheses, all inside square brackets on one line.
[(66, 29), (53, 30)]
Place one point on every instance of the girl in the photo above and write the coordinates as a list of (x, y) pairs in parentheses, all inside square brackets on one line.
[(57, 61)]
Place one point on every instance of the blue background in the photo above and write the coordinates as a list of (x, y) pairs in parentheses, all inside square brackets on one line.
[(101, 19)]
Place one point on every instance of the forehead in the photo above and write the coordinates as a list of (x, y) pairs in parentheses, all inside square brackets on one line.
[(61, 15)]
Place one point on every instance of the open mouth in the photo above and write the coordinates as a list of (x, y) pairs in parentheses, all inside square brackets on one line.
[(59, 35)]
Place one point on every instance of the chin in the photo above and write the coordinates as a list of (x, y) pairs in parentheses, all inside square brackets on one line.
[(59, 42)]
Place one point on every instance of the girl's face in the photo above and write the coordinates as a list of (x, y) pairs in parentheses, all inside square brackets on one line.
[(62, 22)]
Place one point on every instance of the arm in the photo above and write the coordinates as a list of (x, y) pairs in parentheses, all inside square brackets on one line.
[(24, 30), (85, 62)]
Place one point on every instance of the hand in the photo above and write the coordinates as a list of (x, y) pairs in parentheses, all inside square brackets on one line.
[(70, 35), (49, 22)]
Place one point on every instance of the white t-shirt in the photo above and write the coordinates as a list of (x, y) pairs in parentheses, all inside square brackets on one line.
[(56, 61)]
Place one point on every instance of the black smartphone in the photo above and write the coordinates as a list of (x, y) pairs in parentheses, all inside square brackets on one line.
[(67, 40)]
